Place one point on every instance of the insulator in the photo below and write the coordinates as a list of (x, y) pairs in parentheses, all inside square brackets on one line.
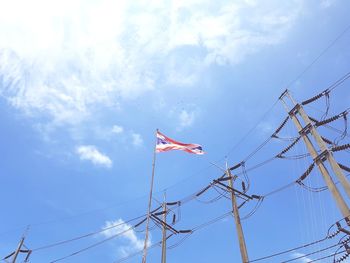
[(320, 123), (140, 223), (333, 234), (173, 203), (280, 155), (326, 140), (236, 166), (306, 173), (202, 191), (318, 96), (243, 187), (341, 147), (174, 219), (313, 119), (345, 168), (280, 127), (185, 231)]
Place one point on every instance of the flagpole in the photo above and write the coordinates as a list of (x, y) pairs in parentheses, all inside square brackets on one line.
[(144, 257)]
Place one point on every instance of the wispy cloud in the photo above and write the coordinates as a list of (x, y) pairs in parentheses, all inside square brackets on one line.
[(136, 139), (303, 258), (62, 60), (90, 153), (186, 118), (117, 129), (133, 242)]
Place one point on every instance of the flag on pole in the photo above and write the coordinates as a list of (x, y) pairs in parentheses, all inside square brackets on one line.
[(165, 144)]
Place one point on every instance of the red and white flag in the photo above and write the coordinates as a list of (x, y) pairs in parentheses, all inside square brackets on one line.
[(165, 144)]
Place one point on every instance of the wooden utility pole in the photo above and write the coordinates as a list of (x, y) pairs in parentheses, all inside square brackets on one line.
[(242, 245), (164, 230), (318, 158)]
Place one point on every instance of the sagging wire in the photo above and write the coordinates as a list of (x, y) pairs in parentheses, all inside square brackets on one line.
[(86, 235), (139, 252), (224, 195), (327, 105), (98, 243), (311, 253), (345, 131), (255, 209), (324, 122), (327, 237), (295, 157), (313, 189), (287, 139)]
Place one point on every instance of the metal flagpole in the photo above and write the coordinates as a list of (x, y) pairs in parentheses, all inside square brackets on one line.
[(144, 257)]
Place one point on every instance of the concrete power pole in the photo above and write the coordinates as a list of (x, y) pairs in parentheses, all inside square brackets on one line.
[(324, 155), (241, 240), (164, 230), (19, 250)]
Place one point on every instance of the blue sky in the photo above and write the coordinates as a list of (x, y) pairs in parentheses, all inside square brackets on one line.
[(85, 84)]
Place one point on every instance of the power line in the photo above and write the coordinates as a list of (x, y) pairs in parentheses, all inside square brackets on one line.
[(312, 253), (199, 227), (252, 129), (329, 256), (329, 236), (319, 56), (86, 235), (98, 243)]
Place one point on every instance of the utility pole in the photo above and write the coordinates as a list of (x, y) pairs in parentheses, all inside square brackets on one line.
[(164, 230), (19, 249), (324, 155), (242, 245)]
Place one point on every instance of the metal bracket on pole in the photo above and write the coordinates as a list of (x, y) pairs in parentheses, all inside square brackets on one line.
[(306, 130), (294, 111), (241, 195), (322, 157)]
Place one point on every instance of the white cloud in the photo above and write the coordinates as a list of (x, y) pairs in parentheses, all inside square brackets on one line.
[(136, 139), (304, 259), (90, 153), (63, 59), (117, 129), (186, 118), (134, 243)]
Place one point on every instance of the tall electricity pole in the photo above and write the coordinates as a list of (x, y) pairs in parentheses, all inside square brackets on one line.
[(325, 154), (19, 250), (164, 230), (241, 240)]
